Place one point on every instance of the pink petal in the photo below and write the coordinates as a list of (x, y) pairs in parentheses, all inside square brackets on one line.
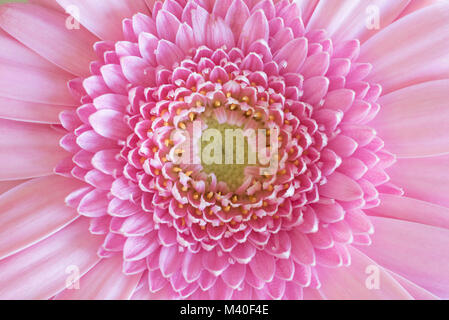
[(28, 216), (137, 71), (292, 56), (415, 251), (69, 49), (351, 282), (341, 187), (13, 78), (167, 25), (236, 16), (42, 270), (105, 281), (427, 56), (424, 178), (263, 266), (413, 121), (414, 290), (110, 124), (104, 19), (255, 28), (347, 19), (28, 150), (30, 111), (408, 209)]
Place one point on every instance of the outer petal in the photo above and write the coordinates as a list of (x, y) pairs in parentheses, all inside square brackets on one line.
[(9, 185), (415, 291), (403, 208), (28, 150), (42, 86), (104, 18), (414, 121), (415, 251), (105, 281), (42, 270), (69, 49), (350, 282), (349, 19), (425, 178), (393, 53), (33, 211), (29, 111)]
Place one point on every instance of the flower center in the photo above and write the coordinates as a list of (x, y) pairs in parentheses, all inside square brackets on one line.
[(226, 152)]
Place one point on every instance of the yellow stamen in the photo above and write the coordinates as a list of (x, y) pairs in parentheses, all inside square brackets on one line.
[(177, 170)]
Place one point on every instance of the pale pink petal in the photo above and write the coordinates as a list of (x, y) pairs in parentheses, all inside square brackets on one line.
[(424, 178), (104, 19), (15, 52), (426, 57), (408, 209), (417, 5), (28, 216), (414, 290), (353, 282), (412, 250), (105, 281), (28, 150), (341, 187), (110, 124), (29, 111), (46, 268), (6, 186), (414, 121), (13, 78), (69, 49), (348, 19)]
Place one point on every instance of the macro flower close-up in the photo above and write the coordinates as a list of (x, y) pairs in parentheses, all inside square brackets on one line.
[(224, 149)]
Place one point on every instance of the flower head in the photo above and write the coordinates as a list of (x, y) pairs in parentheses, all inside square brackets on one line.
[(293, 217)]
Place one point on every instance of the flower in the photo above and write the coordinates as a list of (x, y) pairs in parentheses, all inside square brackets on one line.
[(96, 108)]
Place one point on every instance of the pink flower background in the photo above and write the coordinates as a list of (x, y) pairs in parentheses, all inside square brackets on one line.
[(93, 207)]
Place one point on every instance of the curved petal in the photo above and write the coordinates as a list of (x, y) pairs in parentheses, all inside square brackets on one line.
[(414, 251), (42, 86), (417, 42), (46, 268), (414, 290), (105, 281), (29, 111), (349, 19), (70, 49), (104, 18), (307, 8), (408, 209), (33, 211), (416, 5), (423, 178), (414, 121), (341, 187), (16, 53), (6, 186), (351, 282), (28, 150), (110, 124)]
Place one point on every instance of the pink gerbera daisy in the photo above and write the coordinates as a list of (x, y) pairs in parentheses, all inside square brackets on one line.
[(98, 98)]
